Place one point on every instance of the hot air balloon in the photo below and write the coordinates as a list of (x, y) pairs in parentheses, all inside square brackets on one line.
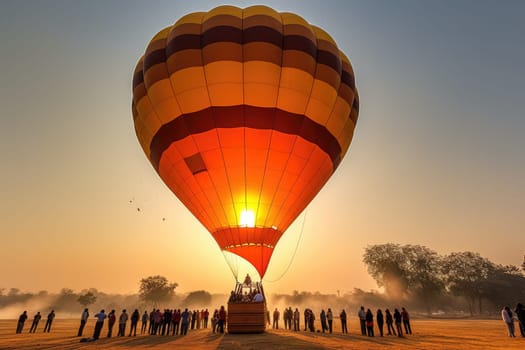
[(244, 114)]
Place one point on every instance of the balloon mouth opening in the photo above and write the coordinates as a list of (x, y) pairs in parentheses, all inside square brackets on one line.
[(254, 244)]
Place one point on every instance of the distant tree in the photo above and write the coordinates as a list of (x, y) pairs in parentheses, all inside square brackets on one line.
[(406, 270), (387, 264), (87, 299), (467, 275), (66, 300), (156, 289), (13, 292), (198, 298), (504, 286), (425, 280)]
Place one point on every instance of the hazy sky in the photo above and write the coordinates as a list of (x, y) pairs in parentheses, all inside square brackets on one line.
[(437, 158)]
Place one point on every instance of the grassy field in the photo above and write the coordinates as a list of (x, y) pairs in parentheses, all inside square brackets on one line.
[(428, 334)]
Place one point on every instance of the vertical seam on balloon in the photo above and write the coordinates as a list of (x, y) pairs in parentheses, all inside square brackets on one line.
[(217, 134), (211, 217), (312, 192), (244, 118), (270, 206), (334, 167), (265, 223), (343, 151), (147, 95), (178, 104), (218, 140), (296, 137)]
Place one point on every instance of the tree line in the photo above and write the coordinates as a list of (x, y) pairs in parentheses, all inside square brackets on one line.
[(410, 275), (153, 291), (418, 274)]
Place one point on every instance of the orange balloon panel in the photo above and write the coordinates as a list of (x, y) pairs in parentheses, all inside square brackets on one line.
[(245, 114)]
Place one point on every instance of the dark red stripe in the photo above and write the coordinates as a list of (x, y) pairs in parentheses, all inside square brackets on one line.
[(153, 58), (244, 116), (264, 34), (348, 79), (138, 78), (253, 34), (355, 105), (221, 34), (184, 42), (300, 43)]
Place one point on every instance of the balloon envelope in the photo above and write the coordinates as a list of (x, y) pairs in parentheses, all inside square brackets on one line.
[(245, 114)]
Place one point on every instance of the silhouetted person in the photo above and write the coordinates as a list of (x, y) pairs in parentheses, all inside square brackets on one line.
[(184, 321), (296, 317), (112, 318), (506, 314), (397, 320), (311, 321), (193, 319), (276, 315), (389, 323), (406, 320), (21, 320), (215, 321), (166, 321), (380, 321), (199, 316), (247, 280), (157, 319), (306, 317), (101, 316), (206, 317), (369, 317), (362, 319), (135, 316), (330, 319), (122, 320), (520, 314), (342, 317), (36, 319), (83, 319), (144, 325), (322, 316), (286, 315), (151, 321), (222, 319), (176, 322), (49, 321)]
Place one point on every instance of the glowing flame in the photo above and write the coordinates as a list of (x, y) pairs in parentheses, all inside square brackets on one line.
[(247, 218)]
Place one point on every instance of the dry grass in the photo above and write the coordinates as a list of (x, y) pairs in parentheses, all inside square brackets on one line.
[(428, 334)]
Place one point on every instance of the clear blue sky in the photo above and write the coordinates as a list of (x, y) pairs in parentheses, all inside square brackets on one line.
[(437, 158)]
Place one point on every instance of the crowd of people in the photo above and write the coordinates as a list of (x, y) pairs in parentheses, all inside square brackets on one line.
[(401, 319), (36, 319), (157, 322), (169, 321), (178, 321)]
